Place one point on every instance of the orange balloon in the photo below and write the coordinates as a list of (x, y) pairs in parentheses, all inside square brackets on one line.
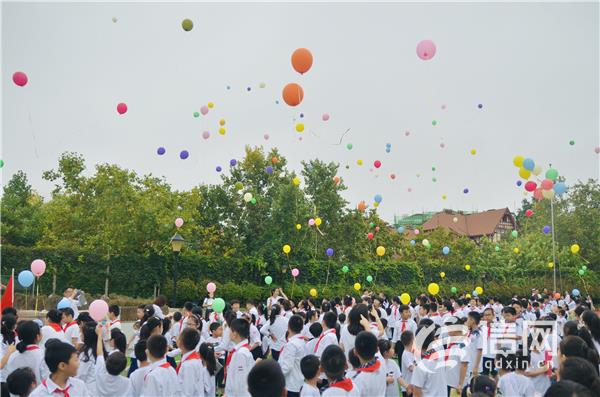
[(293, 94), (361, 206), (302, 60)]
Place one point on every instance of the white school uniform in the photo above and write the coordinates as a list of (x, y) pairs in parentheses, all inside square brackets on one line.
[(407, 366), (226, 344), (437, 319), (210, 384), (278, 330), (371, 380), (158, 312), (327, 338), (516, 385), (240, 364), (255, 336), (71, 332), (3, 352), (33, 358), (310, 346), (474, 347), (53, 331), (87, 370), (349, 389), (540, 382), (455, 357), (404, 325), (108, 385), (190, 374), (47, 388), (429, 375), (392, 369), (309, 391), (160, 381), (137, 380), (289, 361)]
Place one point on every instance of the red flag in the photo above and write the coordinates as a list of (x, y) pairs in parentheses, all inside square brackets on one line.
[(9, 293)]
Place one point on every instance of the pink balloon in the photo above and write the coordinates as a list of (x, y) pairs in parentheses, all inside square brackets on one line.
[(409, 189), (204, 109), (295, 272), (417, 232), (178, 222), (597, 150), (311, 222), (325, 116), (98, 309), (547, 184), (38, 267), (266, 136), (20, 79), (122, 108), (537, 194), (206, 135), (426, 49), (211, 287)]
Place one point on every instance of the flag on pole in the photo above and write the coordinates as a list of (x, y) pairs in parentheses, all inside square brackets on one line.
[(9, 293)]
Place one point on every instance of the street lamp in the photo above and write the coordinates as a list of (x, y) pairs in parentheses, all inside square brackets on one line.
[(176, 245)]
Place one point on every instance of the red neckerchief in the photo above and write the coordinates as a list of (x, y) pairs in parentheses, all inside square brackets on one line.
[(370, 368), (163, 365), (548, 361), (65, 391), (69, 325), (298, 336), (114, 322), (194, 356), (434, 314), (32, 347), (329, 331), (345, 384), (55, 327), (230, 356), (395, 311), (403, 326), (448, 350)]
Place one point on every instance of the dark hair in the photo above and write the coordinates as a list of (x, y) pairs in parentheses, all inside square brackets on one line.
[(266, 379), (114, 309), (148, 313), (207, 352), (157, 346), (568, 388), (177, 316), (581, 371), (90, 341), (84, 318), (189, 338), (330, 319), (315, 329), (296, 324), (365, 345), (151, 323), (19, 381), (483, 384), (9, 310), (342, 318), (333, 362), (354, 317), (119, 339), (475, 316), (58, 352), (580, 309), (160, 300), (574, 346), (7, 329), (570, 328), (188, 306), (353, 358), (140, 351), (213, 327), (275, 310), (54, 316), (309, 366), (241, 327), (385, 345), (67, 311), (28, 332), (166, 325), (510, 310), (116, 363), (592, 322), (507, 362)]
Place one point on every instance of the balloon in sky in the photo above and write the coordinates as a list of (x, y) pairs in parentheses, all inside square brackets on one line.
[(528, 164), (357, 286), (523, 173), (211, 287), (548, 194), (295, 272), (551, 174), (268, 280), (518, 161), (160, 151), (426, 49), (299, 127), (122, 108), (405, 298), (293, 94), (206, 135), (20, 79), (560, 188), (370, 279), (378, 198), (232, 162), (184, 154), (537, 194), (302, 60), (433, 288), (349, 146), (204, 110), (218, 168), (547, 184), (187, 25), (25, 278), (345, 269), (528, 213), (377, 163), (178, 222), (530, 186), (575, 292), (325, 116), (313, 292), (537, 170), (361, 206), (38, 267), (574, 249), (266, 137)]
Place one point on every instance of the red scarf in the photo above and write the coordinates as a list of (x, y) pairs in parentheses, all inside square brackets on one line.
[(403, 326), (32, 347), (329, 331), (69, 325), (194, 356), (163, 365), (548, 361), (371, 368), (55, 327), (65, 391), (345, 384), (295, 336), (230, 356)]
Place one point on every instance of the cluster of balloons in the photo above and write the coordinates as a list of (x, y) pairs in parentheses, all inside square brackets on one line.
[(315, 222), (548, 187), (302, 60), (582, 270)]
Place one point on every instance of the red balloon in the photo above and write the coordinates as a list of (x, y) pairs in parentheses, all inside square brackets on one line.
[(528, 213), (122, 108), (547, 184), (377, 163), (370, 236), (530, 186), (293, 94), (302, 60), (20, 79)]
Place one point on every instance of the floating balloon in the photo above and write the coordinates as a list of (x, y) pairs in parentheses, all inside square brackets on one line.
[(266, 137), (519, 183), (359, 162), (528, 164), (581, 272), (546, 229), (222, 131), (453, 290), (479, 290), (329, 252), (434, 123), (465, 190), (349, 146), (547, 184), (530, 186), (575, 292), (63, 304), (296, 181), (345, 269), (473, 152), (378, 198), (412, 242), (122, 108), (98, 310), (560, 188), (218, 305), (313, 292), (302, 60), (357, 286), (286, 249), (184, 154), (416, 231), (442, 274), (211, 287), (178, 222), (377, 163), (516, 250), (574, 249), (268, 280), (380, 251), (548, 194), (550, 265), (537, 170), (295, 272), (196, 114), (187, 25), (571, 142), (514, 233), (597, 149), (318, 221), (206, 135), (405, 298), (38, 267), (433, 288), (426, 49), (551, 174), (311, 222), (523, 173), (269, 170), (204, 110), (293, 94), (325, 117), (467, 267), (25, 278), (370, 236), (445, 250), (537, 194), (20, 79), (298, 226), (370, 279), (210, 105), (400, 229), (218, 168), (247, 197), (160, 151), (480, 106)]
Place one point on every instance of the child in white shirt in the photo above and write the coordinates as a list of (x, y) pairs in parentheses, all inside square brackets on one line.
[(371, 376), (190, 371), (291, 354), (161, 378), (53, 328), (407, 358), (328, 337), (108, 381), (70, 327), (334, 364), (28, 353), (512, 383), (137, 377), (209, 363), (310, 367), (239, 360), (392, 370), (87, 356)]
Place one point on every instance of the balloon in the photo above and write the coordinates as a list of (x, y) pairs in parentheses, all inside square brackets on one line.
[(550, 265), (425, 242), (196, 114), (298, 226), (296, 181), (377, 228), (184, 154), (467, 267), (311, 222), (266, 137), (530, 186), (222, 131), (380, 251), (349, 146), (400, 229), (63, 304), (359, 162), (286, 249), (253, 201), (473, 152), (523, 173), (465, 190), (187, 25), (204, 110), (434, 122), (547, 184), (325, 117), (548, 194), (433, 288), (557, 295), (475, 293), (239, 185), (268, 280), (584, 267), (497, 249), (574, 249), (211, 287), (38, 267), (393, 176), (405, 298), (519, 183), (514, 233), (575, 292), (98, 309), (468, 296), (293, 94), (445, 250), (299, 127), (551, 174), (370, 236), (218, 168), (329, 252), (453, 290), (426, 49), (529, 164), (560, 188), (546, 229), (20, 79), (178, 222), (160, 151), (416, 231), (25, 278), (345, 269), (455, 220), (516, 250), (357, 286), (377, 163), (412, 242), (313, 292), (295, 272), (370, 279), (269, 170), (318, 221), (122, 108), (480, 106), (537, 194), (378, 198), (518, 161), (479, 290), (442, 274), (597, 149), (247, 197), (581, 272), (206, 135), (302, 60), (361, 206), (218, 305), (528, 213)]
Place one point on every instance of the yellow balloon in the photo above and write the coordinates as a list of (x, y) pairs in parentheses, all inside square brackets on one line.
[(550, 265), (479, 290), (548, 194), (296, 181), (516, 250), (467, 267), (518, 161), (575, 248), (537, 170), (287, 249), (468, 296), (222, 131), (357, 286), (433, 288), (523, 173), (380, 251), (443, 274), (318, 221), (211, 105), (313, 292), (298, 226), (444, 197), (299, 127), (222, 122), (473, 152), (405, 298), (375, 204), (359, 162)]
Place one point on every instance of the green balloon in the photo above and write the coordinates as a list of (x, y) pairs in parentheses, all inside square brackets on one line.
[(371, 224), (349, 146), (432, 168), (345, 269), (514, 233), (551, 174), (571, 142), (581, 272), (187, 25), (1, 163), (218, 305), (196, 114), (453, 290), (434, 179), (370, 279), (253, 201), (434, 122), (584, 267), (497, 248), (239, 185), (268, 280)]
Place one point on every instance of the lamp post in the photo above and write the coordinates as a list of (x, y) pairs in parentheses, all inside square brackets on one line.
[(176, 245)]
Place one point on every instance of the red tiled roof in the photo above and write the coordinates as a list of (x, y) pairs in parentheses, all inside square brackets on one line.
[(472, 225)]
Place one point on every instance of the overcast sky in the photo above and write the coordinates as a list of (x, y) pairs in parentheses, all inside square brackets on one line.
[(533, 67)]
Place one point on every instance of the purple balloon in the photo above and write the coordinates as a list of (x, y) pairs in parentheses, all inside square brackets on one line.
[(546, 229), (219, 169), (160, 151), (301, 115), (184, 154), (329, 251), (232, 162), (465, 190), (269, 170), (519, 183)]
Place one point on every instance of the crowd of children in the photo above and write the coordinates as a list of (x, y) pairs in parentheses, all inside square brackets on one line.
[(542, 345)]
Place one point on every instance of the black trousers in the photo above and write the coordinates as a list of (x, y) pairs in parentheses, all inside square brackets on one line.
[(275, 354), (293, 394)]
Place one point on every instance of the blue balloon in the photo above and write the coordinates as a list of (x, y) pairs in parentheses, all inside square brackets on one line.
[(575, 292), (474, 293), (445, 250), (546, 229), (329, 251), (560, 188), (529, 164), (269, 170), (160, 151), (519, 183), (412, 242), (378, 198), (25, 278), (184, 154), (400, 229), (219, 169), (232, 162), (63, 304)]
